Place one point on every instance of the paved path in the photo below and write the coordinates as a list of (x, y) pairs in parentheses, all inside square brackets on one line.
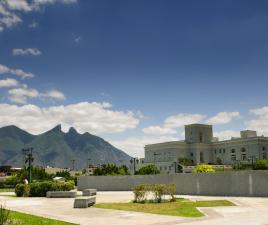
[(249, 211)]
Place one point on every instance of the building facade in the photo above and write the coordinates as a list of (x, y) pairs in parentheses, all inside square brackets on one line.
[(200, 147)]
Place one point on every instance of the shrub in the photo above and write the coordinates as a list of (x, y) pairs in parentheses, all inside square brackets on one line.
[(185, 162), (204, 168), (219, 161), (148, 169), (4, 215), (11, 181), (242, 166), (2, 184), (40, 189), (140, 193), (62, 186), (260, 165), (170, 189), (158, 191), (22, 190)]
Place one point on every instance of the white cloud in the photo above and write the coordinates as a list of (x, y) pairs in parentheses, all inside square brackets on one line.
[(6, 83), (33, 25), (54, 94), (21, 95), (158, 130), (135, 145), (37, 4), (7, 17), (182, 119), (77, 39), (260, 120), (21, 5), (18, 72), (93, 117), (226, 134), (223, 118), (27, 51), (10, 10)]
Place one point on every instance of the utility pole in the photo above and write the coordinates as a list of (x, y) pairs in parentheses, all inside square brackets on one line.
[(28, 153)]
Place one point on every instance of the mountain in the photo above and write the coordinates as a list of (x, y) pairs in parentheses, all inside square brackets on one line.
[(56, 148)]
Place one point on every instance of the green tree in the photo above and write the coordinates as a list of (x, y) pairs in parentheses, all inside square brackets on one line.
[(110, 170), (38, 173), (203, 168), (147, 170), (64, 173)]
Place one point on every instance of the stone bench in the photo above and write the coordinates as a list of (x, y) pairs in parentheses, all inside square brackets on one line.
[(61, 194), (84, 202), (89, 192)]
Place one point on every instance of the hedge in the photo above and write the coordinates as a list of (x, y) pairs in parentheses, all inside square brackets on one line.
[(39, 189)]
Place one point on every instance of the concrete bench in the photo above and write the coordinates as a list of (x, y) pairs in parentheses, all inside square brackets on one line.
[(84, 202), (89, 192), (61, 194)]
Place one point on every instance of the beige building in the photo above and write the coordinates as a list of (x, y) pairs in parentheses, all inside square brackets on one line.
[(200, 146)]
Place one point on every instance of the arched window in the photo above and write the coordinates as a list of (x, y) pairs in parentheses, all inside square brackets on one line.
[(233, 151)]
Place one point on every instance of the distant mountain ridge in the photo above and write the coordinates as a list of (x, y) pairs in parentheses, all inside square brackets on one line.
[(56, 148)]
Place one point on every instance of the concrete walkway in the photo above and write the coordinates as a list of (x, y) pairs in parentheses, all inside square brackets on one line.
[(249, 211)]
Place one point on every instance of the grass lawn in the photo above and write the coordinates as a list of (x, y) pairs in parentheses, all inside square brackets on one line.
[(182, 207), (27, 219), (7, 189)]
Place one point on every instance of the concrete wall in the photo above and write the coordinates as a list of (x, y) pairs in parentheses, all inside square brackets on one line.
[(244, 183)]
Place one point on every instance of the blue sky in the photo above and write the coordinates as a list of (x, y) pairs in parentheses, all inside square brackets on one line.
[(134, 72)]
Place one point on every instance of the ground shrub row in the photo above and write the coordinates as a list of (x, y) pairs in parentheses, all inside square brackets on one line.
[(142, 191), (39, 189)]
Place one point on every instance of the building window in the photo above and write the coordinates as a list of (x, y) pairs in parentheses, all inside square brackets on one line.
[(233, 151), (244, 157), (160, 167), (224, 150), (233, 158), (201, 157), (201, 137), (243, 150), (192, 154), (264, 154), (215, 151), (220, 151)]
